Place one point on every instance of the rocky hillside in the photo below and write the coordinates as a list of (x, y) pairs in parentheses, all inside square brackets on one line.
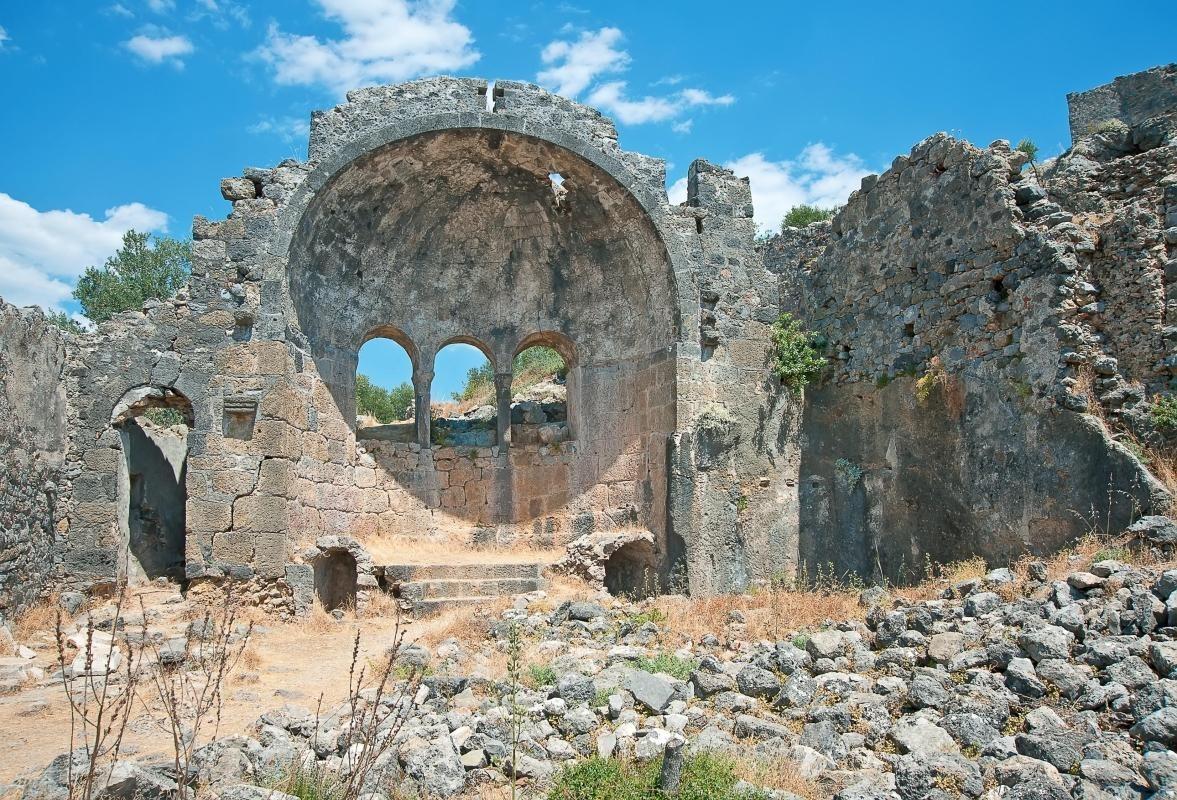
[(1051, 680)]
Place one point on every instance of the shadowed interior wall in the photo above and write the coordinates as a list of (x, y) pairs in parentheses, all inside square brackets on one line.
[(459, 235)]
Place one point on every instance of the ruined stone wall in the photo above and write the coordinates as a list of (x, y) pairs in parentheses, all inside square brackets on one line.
[(33, 440), (734, 462), (1130, 99), (425, 215), (967, 316)]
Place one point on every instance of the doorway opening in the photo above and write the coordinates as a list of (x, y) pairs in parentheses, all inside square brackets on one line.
[(153, 425)]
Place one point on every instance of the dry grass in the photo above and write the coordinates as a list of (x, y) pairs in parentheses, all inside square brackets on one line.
[(319, 620), (37, 618), (779, 775), (1085, 388), (380, 604), (468, 625), (1162, 463), (770, 614)]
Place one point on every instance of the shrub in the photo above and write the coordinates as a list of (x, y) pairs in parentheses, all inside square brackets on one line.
[(386, 405), (165, 417), (705, 776), (1113, 126), (540, 675), (795, 359), (144, 267), (802, 215), (1164, 412), (480, 384), (311, 781), (64, 321), (670, 664), (1028, 147)]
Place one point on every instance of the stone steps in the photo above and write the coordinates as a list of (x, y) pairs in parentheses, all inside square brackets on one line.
[(404, 573), (429, 588)]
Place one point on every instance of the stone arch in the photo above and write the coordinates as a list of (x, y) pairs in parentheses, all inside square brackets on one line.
[(452, 224), (462, 431), (473, 341), (397, 430), (632, 570), (553, 339), (395, 334), (152, 481)]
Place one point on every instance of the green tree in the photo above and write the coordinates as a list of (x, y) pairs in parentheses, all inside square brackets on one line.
[(480, 383), (144, 267), (802, 215), (385, 405), (795, 358)]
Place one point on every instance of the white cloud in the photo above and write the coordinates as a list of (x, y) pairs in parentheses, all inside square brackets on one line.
[(699, 97), (289, 128), (817, 177), (119, 10), (385, 41), (222, 13), (42, 253), (575, 65), (683, 126), (161, 6), (4, 37), (157, 47), (611, 97)]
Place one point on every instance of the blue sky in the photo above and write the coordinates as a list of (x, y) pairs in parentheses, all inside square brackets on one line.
[(126, 114)]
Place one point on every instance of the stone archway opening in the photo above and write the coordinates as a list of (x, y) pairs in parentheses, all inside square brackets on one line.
[(462, 408), (541, 390), (153, 425), (632, 570), (385, 397), (336, 580)]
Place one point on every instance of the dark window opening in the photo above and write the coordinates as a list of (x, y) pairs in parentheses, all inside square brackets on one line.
[(631, 570), (335, 580)]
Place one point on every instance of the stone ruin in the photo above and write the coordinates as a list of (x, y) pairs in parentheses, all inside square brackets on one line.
[(978, 316)]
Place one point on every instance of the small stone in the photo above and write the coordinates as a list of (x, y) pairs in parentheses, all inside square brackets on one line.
[(918, 735), (1084, 581), (1047, 641), (943, 647), (649, 690)]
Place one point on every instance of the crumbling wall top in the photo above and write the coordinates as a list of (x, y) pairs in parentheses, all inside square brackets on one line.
[(1131, 99)]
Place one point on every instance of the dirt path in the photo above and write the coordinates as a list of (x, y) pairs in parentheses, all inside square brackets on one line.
[(284, 663)]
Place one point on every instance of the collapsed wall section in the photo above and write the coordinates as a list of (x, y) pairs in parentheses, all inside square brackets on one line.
[(957, 304), (33, 440)]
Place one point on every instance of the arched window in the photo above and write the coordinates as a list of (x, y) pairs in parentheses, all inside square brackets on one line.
[(543, 379), (384, 388), (462, 396)]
